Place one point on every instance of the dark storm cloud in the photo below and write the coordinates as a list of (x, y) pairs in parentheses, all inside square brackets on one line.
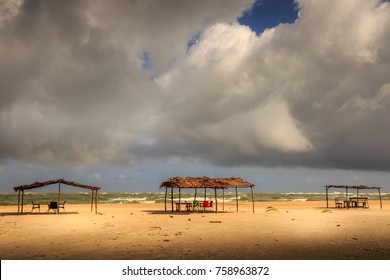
[(104, 81), (72, 83)]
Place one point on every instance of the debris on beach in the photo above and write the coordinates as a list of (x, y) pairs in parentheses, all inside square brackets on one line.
[(271, 209), (155, 228)]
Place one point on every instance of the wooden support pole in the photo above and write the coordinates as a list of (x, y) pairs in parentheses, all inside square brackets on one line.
[(236, 200), (59, 197), (216, 200), (165, 199), (18, 201), (22, 200), (92, 200), (380, 197), (253, 201), (179, 199), (223, 199), (96, 195), (327, 197), (172, 198)]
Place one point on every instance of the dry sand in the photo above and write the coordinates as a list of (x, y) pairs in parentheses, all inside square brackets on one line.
[(290, 230)]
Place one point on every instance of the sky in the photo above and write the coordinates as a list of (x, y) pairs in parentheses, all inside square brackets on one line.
[(290, 96)]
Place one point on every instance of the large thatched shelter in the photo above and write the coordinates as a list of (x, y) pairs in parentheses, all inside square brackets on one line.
[(357, 188), (205, 183), (22, 188)]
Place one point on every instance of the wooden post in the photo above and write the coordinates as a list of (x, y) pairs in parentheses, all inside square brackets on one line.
[(179, 199), (96, 195), (253, 202), (92, 200), (223, 199), (172, 198), (165, 200), (59, 197), (380, 197), (22, 200), (327, 196), (236, 199), (216, 200), (18, 201)]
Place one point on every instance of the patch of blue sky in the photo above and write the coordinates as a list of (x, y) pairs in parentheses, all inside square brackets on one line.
[(146, 61), (269, 13), (193, 41)]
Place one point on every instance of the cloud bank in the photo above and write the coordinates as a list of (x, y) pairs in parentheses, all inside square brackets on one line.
[(118, 82)]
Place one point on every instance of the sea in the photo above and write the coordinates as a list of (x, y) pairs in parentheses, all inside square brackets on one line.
[(159, 197)]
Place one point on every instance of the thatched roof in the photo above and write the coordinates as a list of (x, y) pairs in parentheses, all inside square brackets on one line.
[(51, 182), (360, 187), (205, 182)]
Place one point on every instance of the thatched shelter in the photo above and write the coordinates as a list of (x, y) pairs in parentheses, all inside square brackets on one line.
[(205, 183), (22, 188), (347, 188)]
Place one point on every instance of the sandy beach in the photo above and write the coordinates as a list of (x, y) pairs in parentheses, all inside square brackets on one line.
[(287, 231)]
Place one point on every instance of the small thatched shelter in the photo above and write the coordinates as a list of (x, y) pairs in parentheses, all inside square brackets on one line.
[(22, 188), (357, 188), (205, 183)]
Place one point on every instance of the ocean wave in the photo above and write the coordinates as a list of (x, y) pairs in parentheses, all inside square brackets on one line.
[(159, 197)]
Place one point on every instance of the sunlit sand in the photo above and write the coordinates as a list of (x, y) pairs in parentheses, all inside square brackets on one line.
[(277, 230)]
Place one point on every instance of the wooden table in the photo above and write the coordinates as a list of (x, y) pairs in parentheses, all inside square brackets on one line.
[(358, 201), (187, 206)]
